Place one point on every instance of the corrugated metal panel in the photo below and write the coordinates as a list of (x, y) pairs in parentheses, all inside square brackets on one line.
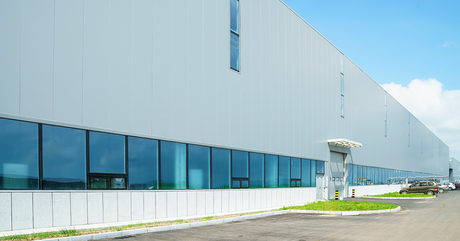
[(161, 69)]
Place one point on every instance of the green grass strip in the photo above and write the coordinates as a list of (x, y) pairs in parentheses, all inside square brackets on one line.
[(396, 194), (76, 232), (333, 205)]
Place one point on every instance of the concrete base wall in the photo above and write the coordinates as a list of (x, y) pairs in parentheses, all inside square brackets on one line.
[(41, 209), (374, 189)]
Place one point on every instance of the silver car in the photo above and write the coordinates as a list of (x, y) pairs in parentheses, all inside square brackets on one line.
[(442, 188)]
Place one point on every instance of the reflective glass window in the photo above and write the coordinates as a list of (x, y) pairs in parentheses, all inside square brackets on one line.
[(306, 174), (236, 184), (220, 168), (271, 171), (355, 175), (313, 173), (244, 183), (295, 168), (350, 175), (240, 164), (117, 183), (319, 167), (106, 153), (199, 165), (64, 158), (284, 166), (256, 161), (98, 182), (173, 165), (360, 175), (234, 16), (18, 155), (234, 51), (143, 163)]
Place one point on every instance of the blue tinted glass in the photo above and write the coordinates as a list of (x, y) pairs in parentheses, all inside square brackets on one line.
[(220, 168), (320, 167), (256, 161), (234, 52), (368, 176), (234, 16), (350, 175), (295, 168), (313, 173), (271, 171), (199, 164), (64, 158), (285, 164), (359, 176), (355, 175), (306, 174), (244, 183), (106, 153), (173, 165), (240, 164), (236, 183), (143, 163), (18, 155)]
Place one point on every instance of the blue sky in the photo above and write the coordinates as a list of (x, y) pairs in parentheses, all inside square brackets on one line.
[(410, 47), (392, 41)]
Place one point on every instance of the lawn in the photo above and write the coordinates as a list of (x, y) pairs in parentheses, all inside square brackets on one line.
[(396, 194), (336, 205)]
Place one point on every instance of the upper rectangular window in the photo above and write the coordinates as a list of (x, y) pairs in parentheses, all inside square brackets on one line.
[(306, 174), (284, 167), (235, 16), (235, 35), (106, 153), (256, 161), (240, 164), (173, 169), (271, 171), (18, 155), (64, 158), (143, 163), (199, 164), (220, 168)]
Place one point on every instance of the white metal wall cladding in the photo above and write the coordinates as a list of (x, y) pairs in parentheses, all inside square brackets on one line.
[(161, 69)]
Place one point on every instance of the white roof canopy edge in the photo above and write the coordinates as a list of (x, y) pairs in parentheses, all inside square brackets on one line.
[(341, 142)]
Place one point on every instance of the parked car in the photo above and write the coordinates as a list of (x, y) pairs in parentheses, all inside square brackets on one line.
[(457, 185), (426, 187), (450, 185), (442, 188)]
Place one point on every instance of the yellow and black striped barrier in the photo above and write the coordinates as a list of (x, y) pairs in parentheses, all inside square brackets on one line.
[(353, 193), (336, 194)]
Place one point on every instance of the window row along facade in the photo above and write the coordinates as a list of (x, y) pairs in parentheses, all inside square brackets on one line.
[(37, 156)]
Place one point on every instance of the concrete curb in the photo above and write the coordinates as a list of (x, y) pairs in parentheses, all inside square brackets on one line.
[(409, 198), (347, 213), (211, 222)]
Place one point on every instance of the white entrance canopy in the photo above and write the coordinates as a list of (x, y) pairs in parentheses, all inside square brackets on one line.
[(341, 142)]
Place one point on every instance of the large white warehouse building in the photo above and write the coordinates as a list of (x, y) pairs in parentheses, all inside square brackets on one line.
[(137, 110)]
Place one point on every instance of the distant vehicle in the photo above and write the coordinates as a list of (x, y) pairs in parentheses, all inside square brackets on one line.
[(450, 185), (426, 187), (457, 185), (442, 188)]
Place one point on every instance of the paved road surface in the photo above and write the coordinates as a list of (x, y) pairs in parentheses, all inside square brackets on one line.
[(429, 219)]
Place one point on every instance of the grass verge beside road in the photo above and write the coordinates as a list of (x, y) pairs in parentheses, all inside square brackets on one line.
[(396, 194), (334, 205)]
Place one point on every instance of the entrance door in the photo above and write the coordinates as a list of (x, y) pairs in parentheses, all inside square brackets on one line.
[(319, 187), (337, 175)]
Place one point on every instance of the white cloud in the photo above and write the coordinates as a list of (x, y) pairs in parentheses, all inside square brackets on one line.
[(449, 44), (438, 109)]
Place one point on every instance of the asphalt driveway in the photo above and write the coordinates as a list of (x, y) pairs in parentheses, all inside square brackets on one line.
[(428, 219)]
